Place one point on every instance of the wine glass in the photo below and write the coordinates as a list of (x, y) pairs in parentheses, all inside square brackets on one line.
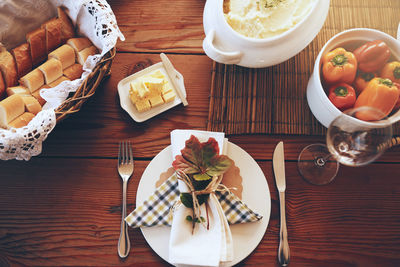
[(350, 141)]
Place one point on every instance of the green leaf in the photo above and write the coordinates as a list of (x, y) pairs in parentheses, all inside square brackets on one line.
[(202, 177), (197, 220), (187, 200), (200, 185), (219, 165), (202, 198)]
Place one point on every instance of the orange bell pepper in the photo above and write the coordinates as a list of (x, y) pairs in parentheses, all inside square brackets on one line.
[(397, 105), (342, 96), (391, 71), (339, 66), (362, 80), (372, 56), (380, 94)]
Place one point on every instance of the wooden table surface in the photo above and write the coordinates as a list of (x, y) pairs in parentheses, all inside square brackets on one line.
[(64, 206)]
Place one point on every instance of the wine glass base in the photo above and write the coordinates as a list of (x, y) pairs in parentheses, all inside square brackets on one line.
[(316, 165)]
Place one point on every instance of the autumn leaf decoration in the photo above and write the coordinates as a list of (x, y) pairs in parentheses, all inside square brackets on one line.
[(201, 167)]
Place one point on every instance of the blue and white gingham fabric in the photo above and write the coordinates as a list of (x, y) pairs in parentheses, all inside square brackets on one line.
[(156, 210)]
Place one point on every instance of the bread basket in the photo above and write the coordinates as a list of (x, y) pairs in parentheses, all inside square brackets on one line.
[(95, 20), (74, 103)]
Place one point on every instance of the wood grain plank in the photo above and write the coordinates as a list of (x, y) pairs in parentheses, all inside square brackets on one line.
[(161, 26), (69, 213)]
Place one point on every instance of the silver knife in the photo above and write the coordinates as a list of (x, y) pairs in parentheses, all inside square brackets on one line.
[(278, 162)]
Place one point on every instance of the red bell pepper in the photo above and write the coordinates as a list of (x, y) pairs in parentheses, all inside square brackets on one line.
[(342, 96), (372, 56)]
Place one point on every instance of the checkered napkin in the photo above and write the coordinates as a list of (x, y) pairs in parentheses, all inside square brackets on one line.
[(156, 210)]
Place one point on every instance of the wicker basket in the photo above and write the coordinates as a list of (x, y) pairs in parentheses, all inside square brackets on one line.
[(74, 103)]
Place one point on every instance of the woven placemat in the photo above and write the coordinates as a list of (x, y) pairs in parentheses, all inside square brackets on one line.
[(273, 100)]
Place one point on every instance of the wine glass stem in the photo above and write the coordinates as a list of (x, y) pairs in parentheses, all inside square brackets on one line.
[(321, 161)]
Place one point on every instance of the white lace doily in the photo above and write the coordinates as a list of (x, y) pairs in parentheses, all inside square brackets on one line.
[(18, 17), (94, 19)]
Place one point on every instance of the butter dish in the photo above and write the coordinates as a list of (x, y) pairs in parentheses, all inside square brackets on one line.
[(174, 80)]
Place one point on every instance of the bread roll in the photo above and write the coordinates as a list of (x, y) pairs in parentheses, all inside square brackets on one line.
[(78, 44), (36, 95), (37, 42), (51, 69), (74, 72), (58, 81), (31, 104), (10, 108), (21, 90), (22, 120), (2, 86), (65, 54), (23, 60), (85, 53), (8, 68), (53, 34), (33, 80), (67, 28)]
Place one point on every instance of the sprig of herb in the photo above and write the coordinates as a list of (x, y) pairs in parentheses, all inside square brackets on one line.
[(197, 220), (272, 3)]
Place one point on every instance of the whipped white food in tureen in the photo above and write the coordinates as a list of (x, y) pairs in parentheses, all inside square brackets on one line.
[(265, 18)]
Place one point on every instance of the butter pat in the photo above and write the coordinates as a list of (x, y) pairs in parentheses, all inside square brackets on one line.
[(150, 91), (158, 74), (168, 97), (154, 85), (167, 88), (156, 100), (139, 90), (142, 105)]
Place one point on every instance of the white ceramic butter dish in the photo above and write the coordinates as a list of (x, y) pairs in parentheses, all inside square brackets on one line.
[(129, 107)]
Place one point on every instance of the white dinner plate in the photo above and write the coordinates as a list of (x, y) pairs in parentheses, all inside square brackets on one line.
[(255, 194)]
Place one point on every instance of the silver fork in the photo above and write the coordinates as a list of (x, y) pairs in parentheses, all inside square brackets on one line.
[(125, 170)]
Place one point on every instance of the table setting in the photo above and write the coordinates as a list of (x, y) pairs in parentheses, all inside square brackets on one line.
[(200, 133), (234, 210)]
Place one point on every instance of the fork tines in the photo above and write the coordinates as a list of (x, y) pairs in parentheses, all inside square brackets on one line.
[(125, 152)]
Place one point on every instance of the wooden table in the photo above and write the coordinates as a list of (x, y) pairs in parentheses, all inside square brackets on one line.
[(64, 206)]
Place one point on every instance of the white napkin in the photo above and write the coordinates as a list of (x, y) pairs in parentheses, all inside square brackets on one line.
[(203, 247)]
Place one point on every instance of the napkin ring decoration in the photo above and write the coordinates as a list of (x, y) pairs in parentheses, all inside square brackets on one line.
[(201, 168)]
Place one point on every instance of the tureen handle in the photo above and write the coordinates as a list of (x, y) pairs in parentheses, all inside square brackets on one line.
[(398, 33), (218, 55)]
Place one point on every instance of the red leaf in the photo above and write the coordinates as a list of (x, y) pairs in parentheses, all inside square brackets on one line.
[(201, 158)]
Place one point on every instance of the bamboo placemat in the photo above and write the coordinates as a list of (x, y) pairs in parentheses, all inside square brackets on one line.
[(273, 100)]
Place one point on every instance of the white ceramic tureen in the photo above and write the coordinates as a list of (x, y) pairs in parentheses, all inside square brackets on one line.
[(318, 101), (225, 45)]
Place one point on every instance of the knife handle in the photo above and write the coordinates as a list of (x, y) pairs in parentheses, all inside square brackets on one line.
[(283, 250)]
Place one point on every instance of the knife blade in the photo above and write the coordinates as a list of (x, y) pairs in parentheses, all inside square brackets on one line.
[(278, 162), (279, 167)]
